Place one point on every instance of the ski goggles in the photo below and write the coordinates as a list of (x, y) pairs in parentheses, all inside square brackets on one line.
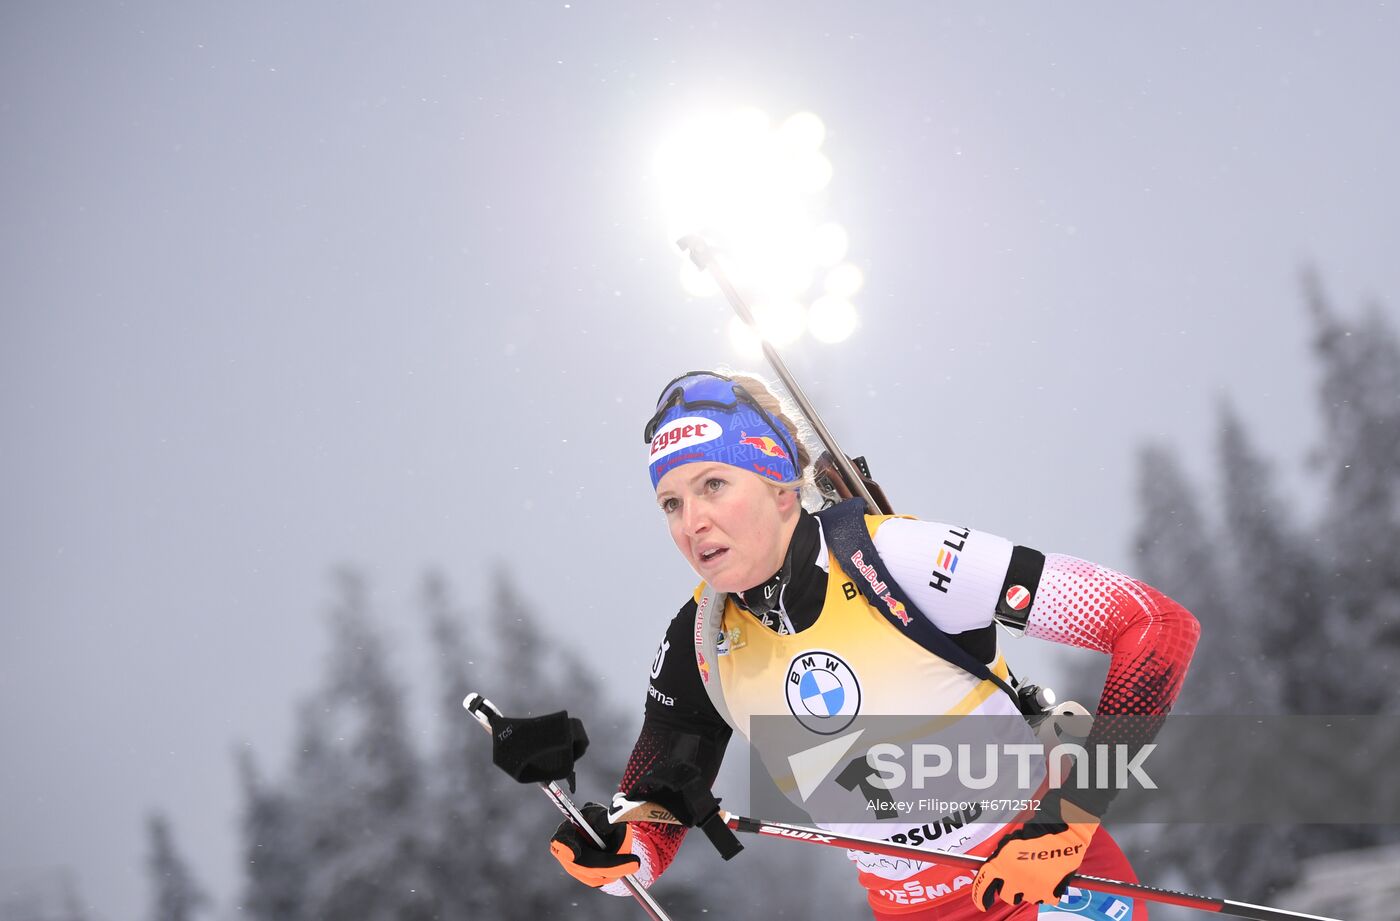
[(704, 416)]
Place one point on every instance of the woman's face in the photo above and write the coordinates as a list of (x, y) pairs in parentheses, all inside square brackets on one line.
[(732, 526)]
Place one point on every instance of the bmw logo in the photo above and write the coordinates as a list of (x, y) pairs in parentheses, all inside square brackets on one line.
[(822, 692), (1084, 905), (1075, 899)]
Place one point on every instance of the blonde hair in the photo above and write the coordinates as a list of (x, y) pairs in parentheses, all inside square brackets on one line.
[(783, 413)]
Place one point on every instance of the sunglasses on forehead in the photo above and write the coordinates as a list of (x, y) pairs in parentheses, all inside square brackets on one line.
[(708, 390)]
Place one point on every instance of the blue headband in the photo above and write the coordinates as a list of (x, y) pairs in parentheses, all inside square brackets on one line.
[(703, 416)]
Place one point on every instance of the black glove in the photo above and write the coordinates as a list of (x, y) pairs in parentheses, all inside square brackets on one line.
[(538, 749), (584, 860)]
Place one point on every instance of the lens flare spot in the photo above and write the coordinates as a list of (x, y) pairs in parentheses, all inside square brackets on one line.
[(831, 319), (844, 280)]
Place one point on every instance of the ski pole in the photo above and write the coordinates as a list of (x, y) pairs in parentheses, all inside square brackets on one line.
[(483, 711), (627, 811), (704, 259)]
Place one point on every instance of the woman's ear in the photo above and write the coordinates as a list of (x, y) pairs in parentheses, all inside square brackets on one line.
[(788, 499)]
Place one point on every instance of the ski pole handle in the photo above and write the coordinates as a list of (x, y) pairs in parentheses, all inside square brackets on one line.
[(483, 711)]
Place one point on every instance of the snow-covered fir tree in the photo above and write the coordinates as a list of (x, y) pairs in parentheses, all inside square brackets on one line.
[(175, 894), (1296, 616), (1271, 592), (1359, 536), (274, 849), (363, 790)]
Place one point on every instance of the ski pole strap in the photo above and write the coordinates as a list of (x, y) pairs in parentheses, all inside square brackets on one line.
[(721, 835), (676, 783), (849, 540)]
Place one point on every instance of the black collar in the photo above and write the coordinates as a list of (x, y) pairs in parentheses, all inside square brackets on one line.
[(798, 589)]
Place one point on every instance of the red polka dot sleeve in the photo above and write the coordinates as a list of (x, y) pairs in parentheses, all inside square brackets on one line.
[(654, 844), (1150, 637)]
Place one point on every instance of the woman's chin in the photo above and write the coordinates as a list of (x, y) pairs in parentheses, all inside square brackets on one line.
[(722, 578)]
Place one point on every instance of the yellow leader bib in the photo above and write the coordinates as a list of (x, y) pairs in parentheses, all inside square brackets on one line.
[(851, 663)]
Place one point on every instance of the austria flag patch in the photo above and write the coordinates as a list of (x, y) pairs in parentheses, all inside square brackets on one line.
[(1017, 597)]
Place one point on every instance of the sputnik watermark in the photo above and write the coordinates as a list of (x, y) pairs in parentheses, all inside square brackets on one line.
[(1109, 767), (939, 773), (967, 807)]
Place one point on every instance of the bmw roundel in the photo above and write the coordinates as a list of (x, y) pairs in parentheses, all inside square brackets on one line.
[(1084, 905), (1075, 899), (822, 691)]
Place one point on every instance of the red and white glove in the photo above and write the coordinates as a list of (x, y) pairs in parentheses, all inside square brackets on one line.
[(1034, 863)]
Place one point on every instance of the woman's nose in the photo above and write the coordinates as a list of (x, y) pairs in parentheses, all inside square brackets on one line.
[(697, 519)]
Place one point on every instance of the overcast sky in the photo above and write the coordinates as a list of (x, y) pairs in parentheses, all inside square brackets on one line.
[(285, 286)]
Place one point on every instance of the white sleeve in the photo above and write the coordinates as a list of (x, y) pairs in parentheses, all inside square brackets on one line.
[(644, 874), (952, 574)]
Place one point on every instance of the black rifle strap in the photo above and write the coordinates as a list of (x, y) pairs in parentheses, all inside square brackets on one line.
[(850, 544)]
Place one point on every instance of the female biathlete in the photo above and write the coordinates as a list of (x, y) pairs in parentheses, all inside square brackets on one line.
[(727, 465)]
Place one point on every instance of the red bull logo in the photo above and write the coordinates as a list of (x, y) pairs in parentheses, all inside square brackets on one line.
[(897, 609), (867, 572), (700, 624), (764, 444)]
